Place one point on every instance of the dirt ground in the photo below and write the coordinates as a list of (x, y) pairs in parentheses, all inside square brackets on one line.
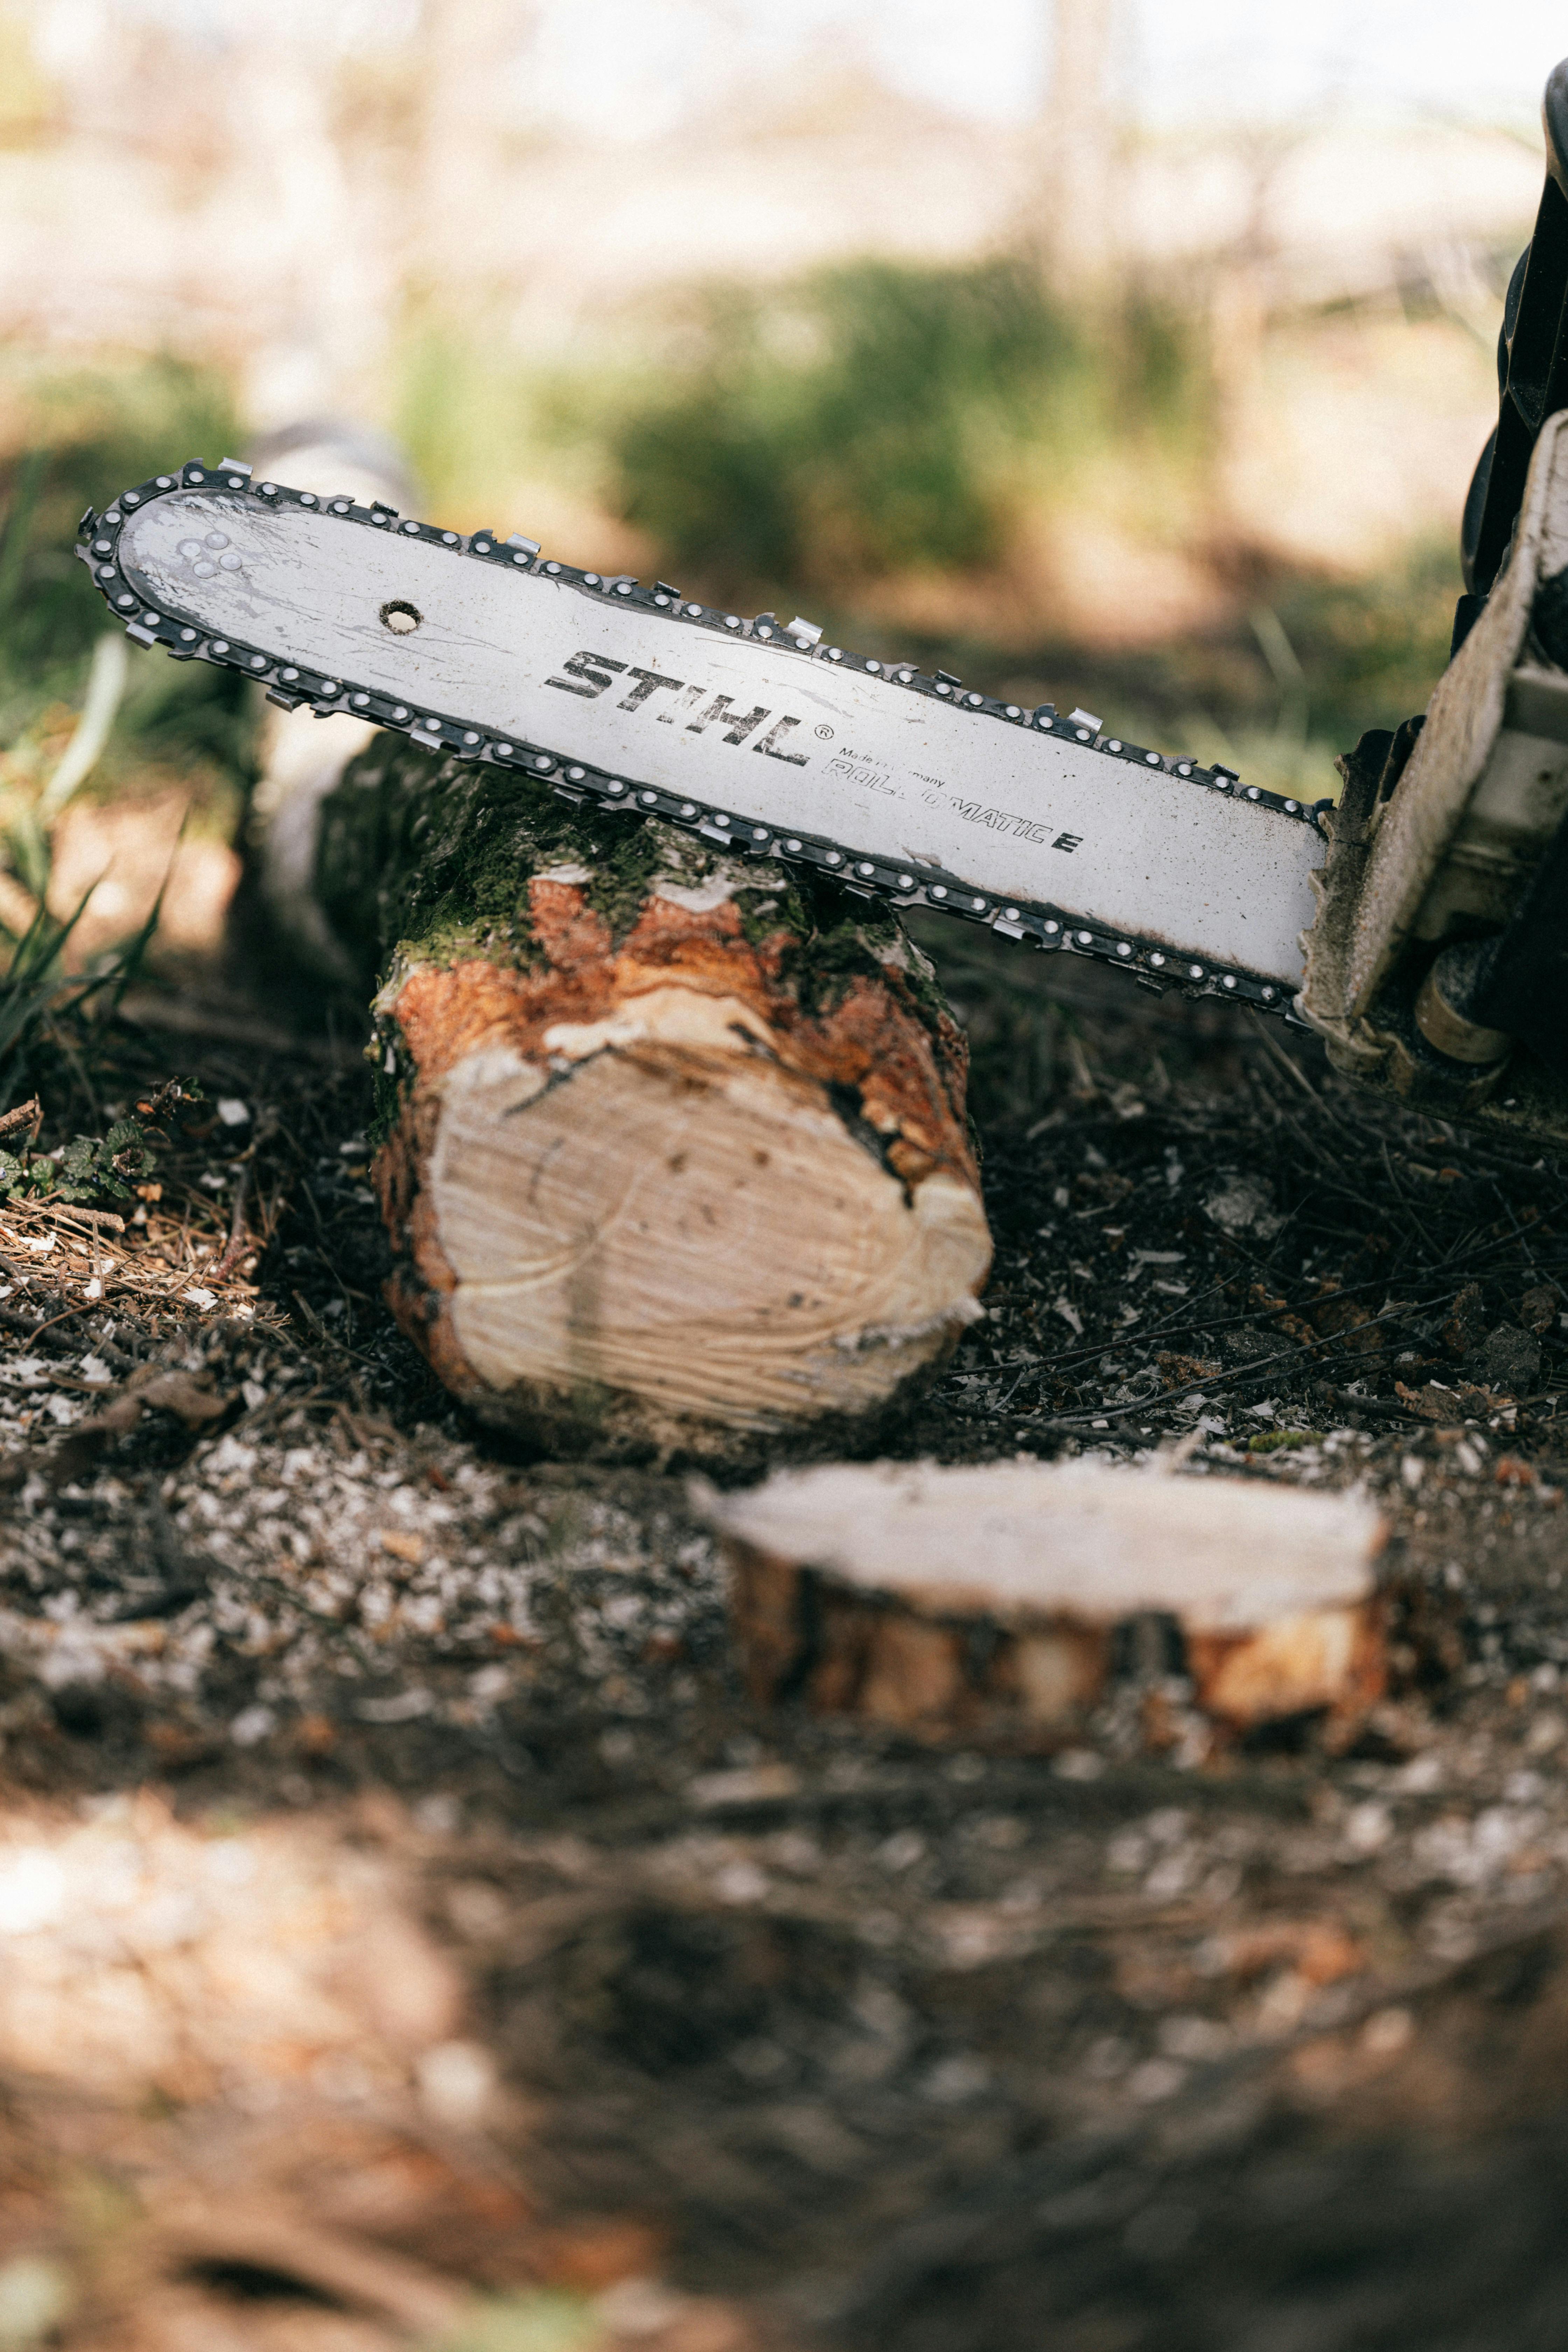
[(410, 1934)]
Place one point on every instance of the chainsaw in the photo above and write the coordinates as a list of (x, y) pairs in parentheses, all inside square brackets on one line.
[(1419, 922)]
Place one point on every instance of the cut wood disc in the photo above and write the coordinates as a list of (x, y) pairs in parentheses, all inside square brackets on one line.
[(983, 1603)]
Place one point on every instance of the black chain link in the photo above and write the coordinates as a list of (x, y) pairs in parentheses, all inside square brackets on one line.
[(1152, 961)]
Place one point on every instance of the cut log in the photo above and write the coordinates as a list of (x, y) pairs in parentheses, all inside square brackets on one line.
[(983, 1604), (671, 1146)]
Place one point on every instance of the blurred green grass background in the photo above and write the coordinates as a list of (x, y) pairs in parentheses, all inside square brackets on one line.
[(90, 434), (821, 444)]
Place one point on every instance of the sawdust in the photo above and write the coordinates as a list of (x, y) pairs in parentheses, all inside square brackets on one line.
[(392, 1870)]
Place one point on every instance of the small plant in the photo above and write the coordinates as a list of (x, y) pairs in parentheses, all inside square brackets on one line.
[(36, 992), (87, 1168), (90, 1166)]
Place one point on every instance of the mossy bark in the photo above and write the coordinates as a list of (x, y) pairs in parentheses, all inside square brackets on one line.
[(671, 1146)]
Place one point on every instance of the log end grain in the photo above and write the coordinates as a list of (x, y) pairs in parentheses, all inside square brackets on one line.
[(646, 1202), (984, 1605)]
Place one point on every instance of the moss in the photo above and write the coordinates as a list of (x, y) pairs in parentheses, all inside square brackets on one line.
[(779, 905), (623, 871), (386, 1099), (427, 860), (431, 857), (848, 941), (925, 990)]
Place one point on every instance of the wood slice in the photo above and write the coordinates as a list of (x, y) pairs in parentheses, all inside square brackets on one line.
[(671, 1147), (982, 1604)]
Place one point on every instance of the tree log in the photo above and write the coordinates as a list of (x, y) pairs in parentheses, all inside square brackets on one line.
[(671, 1146), (984, 1604)]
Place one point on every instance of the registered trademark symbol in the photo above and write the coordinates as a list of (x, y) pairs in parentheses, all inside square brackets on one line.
[(825, 733)]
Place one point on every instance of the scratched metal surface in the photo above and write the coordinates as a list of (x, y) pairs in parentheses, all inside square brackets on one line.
[(752, 725)]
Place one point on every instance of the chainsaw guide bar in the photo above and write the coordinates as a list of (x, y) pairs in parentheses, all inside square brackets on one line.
[(900, 784)]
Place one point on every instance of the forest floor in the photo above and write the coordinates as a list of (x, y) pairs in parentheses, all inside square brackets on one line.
[(410, 1934)]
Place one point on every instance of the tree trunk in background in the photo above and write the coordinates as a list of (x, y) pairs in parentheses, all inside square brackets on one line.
[(1081, 136), (672, 1146)]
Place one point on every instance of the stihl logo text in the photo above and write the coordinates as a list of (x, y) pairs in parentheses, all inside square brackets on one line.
[(592, 674)]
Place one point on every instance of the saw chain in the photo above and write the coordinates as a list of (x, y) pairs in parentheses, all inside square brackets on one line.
[(1193, 879)]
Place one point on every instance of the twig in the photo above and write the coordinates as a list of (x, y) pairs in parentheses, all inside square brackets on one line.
[(87, 1306), (1287, 1063), (1242, 1375), (64, 1212), (29, 1114), (238, 1242)]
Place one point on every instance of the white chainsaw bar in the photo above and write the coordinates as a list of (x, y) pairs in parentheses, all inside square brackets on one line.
[(901, 784)]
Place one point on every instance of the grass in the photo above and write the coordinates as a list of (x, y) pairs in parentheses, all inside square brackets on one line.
[(74, 714), (879, 415), (807, 443), (88, 436)]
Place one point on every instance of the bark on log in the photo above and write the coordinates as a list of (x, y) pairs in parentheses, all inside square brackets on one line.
[(672, 1146), (984, 1605)]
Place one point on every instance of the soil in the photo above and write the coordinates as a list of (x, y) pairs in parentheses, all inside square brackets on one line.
[(389, 1848)]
